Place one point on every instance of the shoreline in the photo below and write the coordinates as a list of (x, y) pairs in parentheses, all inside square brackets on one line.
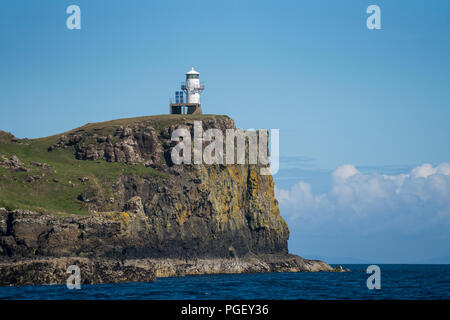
[(49, 270)]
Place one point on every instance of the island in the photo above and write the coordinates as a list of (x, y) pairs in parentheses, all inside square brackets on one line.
[(108, 198)]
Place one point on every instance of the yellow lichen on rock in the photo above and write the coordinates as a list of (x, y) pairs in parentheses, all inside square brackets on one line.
[(122, 217), (183, 217)]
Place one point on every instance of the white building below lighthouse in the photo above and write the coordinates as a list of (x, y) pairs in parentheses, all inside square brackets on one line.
[(192, 89)]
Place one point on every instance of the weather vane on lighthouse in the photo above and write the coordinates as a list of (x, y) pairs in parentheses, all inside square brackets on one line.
[(192, 88)]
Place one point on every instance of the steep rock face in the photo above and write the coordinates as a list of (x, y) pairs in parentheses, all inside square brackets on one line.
[(188, 210), (211, 211), (203, 222)]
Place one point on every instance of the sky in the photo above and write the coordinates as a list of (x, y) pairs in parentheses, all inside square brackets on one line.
[(374, 104)]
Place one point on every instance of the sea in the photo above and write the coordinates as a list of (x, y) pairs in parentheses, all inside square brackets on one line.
[(398, 281)]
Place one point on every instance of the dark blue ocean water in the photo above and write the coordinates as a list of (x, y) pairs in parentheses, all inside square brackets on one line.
[(397, 282)]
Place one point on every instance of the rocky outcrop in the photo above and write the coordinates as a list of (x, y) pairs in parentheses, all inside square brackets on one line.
[(7, 137), (146, 142), (12, 163), (249, 264), (98, 270), (111, 243), (340, 269), (180, 219), (135, 205), (120, 235), (192, 210), (130, 144), (55, 271)]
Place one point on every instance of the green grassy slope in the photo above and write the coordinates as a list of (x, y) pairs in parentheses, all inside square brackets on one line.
[(57, 192)]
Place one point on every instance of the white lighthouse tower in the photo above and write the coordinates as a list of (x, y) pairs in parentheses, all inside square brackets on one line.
[(192, 87)]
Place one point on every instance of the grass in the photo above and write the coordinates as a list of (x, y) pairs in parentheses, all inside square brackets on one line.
[(61, 197), (158, 122)]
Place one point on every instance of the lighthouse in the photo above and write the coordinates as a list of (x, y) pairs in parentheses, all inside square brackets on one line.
[(192, 86), (192, 89)]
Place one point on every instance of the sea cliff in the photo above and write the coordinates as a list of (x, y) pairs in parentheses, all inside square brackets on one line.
[(109, 193)]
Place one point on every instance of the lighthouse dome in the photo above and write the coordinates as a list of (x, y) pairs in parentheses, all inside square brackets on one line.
[(192, 71)]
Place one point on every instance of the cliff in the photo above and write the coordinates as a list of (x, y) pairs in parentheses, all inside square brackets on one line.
[(110, 190)]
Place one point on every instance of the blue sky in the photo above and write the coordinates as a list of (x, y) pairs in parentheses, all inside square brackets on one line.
[(378, 100)]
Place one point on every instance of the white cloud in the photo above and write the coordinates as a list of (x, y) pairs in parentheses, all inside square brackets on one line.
[(344, 172), (372, 203), (423, 171), (426, 170)]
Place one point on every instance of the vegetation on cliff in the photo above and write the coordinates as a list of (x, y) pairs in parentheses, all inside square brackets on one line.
[(53, 180), (119, 175), (107, 197)]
